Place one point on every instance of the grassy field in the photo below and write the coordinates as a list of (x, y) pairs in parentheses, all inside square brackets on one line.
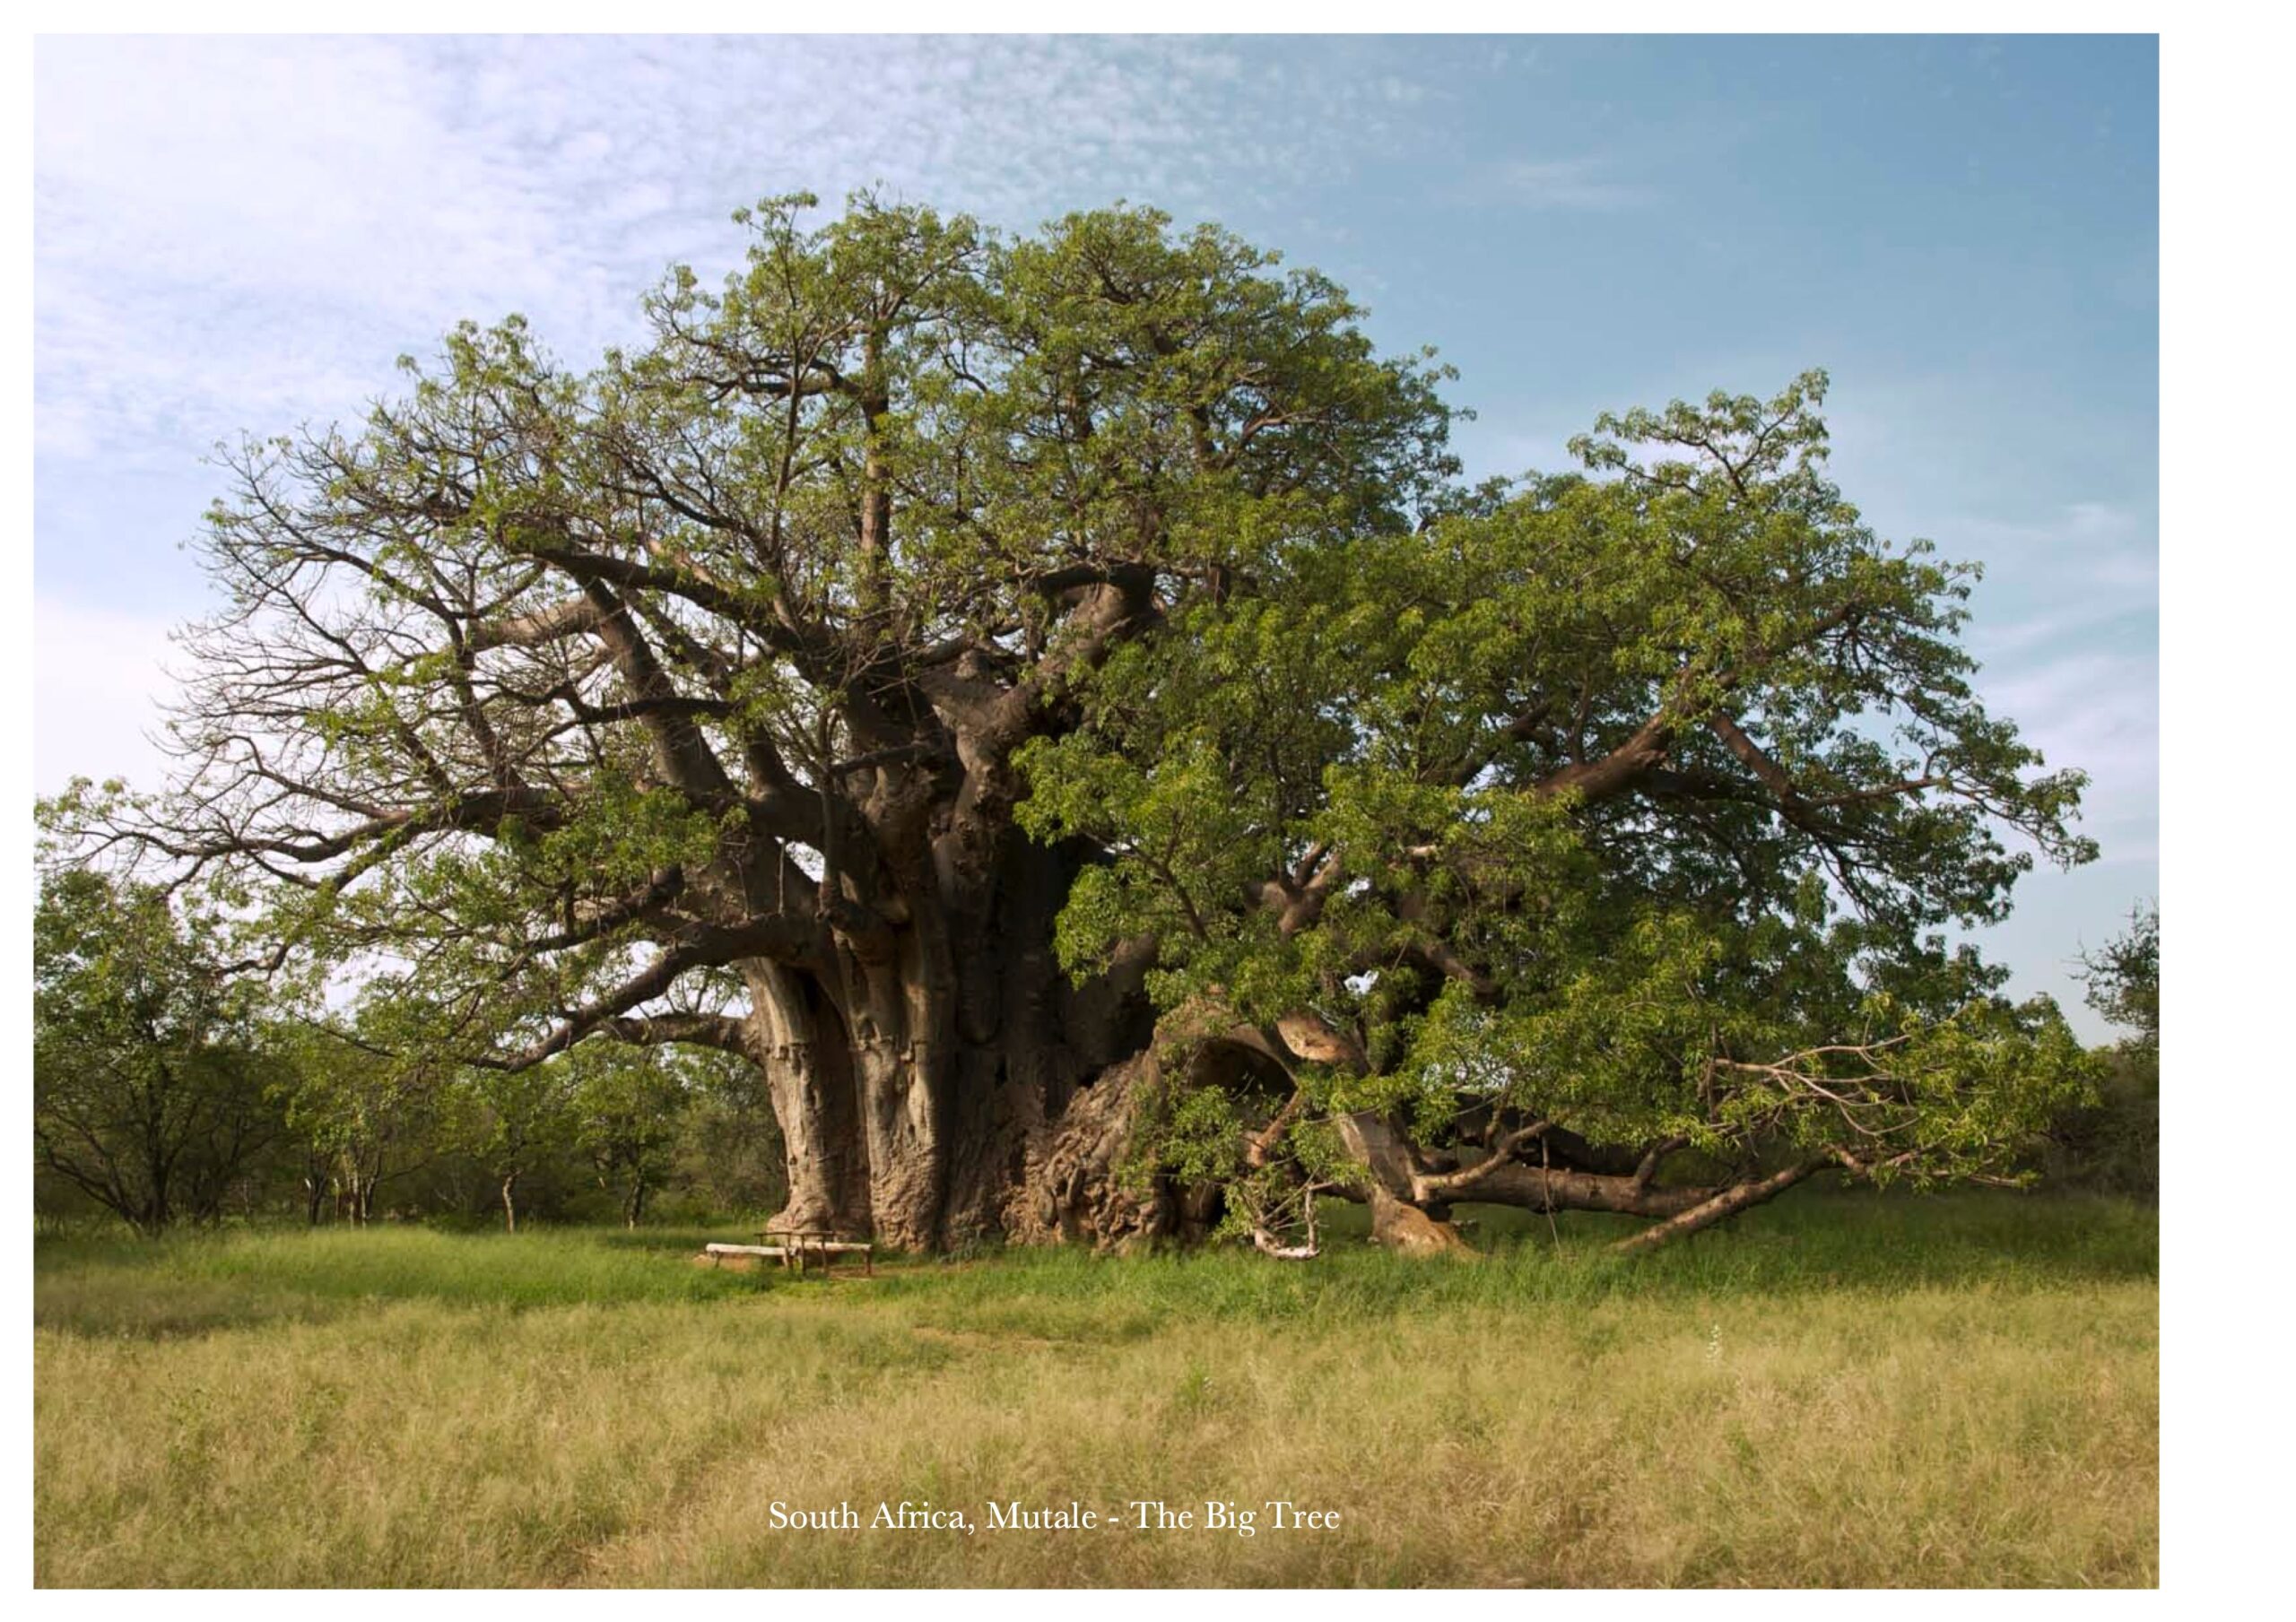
[(1838, 1391)]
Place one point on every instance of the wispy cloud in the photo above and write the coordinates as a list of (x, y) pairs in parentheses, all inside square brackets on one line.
[(2096, 710), (2086, 569), (2072, 656), (241, 232), (1587, 184)]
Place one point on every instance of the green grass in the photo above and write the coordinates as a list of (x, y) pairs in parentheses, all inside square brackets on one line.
[(196, 1282), (1839, 1389)]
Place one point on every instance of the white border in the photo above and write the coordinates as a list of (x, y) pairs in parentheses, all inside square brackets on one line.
[(2225, 598)]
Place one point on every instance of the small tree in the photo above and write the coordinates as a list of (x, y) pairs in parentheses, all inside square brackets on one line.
[(511, 1120), (2115, 1140), (2124, 979), (365, 1113), (628, 1107), (729, 1156), (150, 1092)]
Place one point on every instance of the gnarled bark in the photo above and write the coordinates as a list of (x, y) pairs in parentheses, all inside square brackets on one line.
[(949, 1086), (795, 1037)]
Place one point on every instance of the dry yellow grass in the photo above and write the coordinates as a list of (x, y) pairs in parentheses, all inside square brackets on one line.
[(2000, 1428)]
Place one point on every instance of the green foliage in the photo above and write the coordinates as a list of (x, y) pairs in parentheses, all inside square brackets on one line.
[(485, 810), (728, 1159), (628, 1107), (1631, 799), (362, 1109), (2124, 979), (2113, 1141), (152, 1092)]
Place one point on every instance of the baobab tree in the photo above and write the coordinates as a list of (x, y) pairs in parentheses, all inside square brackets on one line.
[(1006, 690)]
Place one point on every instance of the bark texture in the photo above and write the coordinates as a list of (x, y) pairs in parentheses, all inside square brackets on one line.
[(945, 1085)]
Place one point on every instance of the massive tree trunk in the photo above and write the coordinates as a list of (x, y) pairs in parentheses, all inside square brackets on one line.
[(1012, 1139), (946, 1085)]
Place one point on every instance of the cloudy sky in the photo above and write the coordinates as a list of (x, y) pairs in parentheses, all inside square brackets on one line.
[(243, 234)]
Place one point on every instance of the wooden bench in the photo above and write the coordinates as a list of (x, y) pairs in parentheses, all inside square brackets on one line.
[(798, 1245)]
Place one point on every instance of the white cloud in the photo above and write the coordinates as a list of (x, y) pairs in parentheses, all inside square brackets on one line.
[(2087, 526), (241, 233), (320, 169), (1584, 184)]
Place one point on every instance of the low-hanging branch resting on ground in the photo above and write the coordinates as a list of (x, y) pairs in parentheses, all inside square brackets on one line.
[(1619, 814)]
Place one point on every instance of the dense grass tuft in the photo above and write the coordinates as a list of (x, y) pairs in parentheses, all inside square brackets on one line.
[(1839, 1389)]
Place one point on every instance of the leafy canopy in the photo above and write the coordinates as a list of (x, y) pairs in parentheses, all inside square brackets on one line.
[(563, 691), (1633, 799)]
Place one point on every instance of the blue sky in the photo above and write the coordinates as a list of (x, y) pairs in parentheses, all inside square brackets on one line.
[(242, 234)]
